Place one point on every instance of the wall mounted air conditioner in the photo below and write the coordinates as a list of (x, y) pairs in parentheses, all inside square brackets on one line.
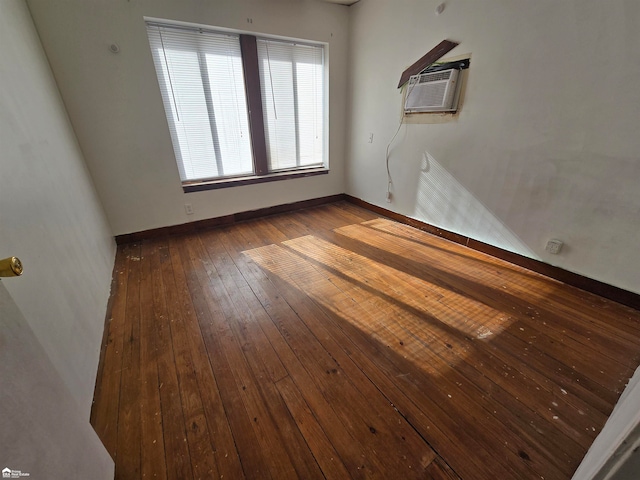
[(433, 92)]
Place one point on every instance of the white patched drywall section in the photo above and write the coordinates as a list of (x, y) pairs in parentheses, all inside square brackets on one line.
[(546, 144), (50, 216), (115, 105)]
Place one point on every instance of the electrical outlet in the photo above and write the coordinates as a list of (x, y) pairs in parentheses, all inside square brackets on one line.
[(188, 208), (554, 246), (388, 197)]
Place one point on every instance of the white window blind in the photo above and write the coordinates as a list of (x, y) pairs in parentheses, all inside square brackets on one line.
[(202, 84), (292, 84)]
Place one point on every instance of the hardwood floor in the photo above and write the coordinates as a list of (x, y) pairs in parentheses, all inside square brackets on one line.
[(331, 343)]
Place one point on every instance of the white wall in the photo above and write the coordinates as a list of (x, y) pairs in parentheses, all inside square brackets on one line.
[(50, 216), (41, 432), (546, 145), (115, 106)]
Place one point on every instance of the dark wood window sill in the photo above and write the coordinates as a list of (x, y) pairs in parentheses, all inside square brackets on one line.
[(189, 187)]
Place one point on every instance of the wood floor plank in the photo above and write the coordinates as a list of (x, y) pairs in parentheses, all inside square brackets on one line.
[(104, 412), (290, 227), (201, 455), (229, 283), (180, 308), (314, 221), (267, 434), (439, 470), (259, 354), (177, 454), (333, 343), (254, 465), (128, 455), (153, 462), (349, 214), (359, 214), (326, 455)]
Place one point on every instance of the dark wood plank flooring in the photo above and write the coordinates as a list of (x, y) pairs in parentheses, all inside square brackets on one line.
[(331, 343)]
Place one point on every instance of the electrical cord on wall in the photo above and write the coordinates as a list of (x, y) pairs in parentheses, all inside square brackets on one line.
[(389, 180)]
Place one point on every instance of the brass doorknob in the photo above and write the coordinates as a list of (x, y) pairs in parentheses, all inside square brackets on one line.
[(10, 267)]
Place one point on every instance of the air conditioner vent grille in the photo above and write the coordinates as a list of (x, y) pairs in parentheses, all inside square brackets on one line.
[(431, 97), (434, 77)]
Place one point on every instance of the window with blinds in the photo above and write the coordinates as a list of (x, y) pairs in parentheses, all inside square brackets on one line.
[(292, 84), (207, 100)]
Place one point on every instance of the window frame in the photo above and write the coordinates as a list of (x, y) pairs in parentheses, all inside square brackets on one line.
[(251, 70)]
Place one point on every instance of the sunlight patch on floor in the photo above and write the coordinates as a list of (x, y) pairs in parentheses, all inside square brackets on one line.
[(496, 274), (405, 313)]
